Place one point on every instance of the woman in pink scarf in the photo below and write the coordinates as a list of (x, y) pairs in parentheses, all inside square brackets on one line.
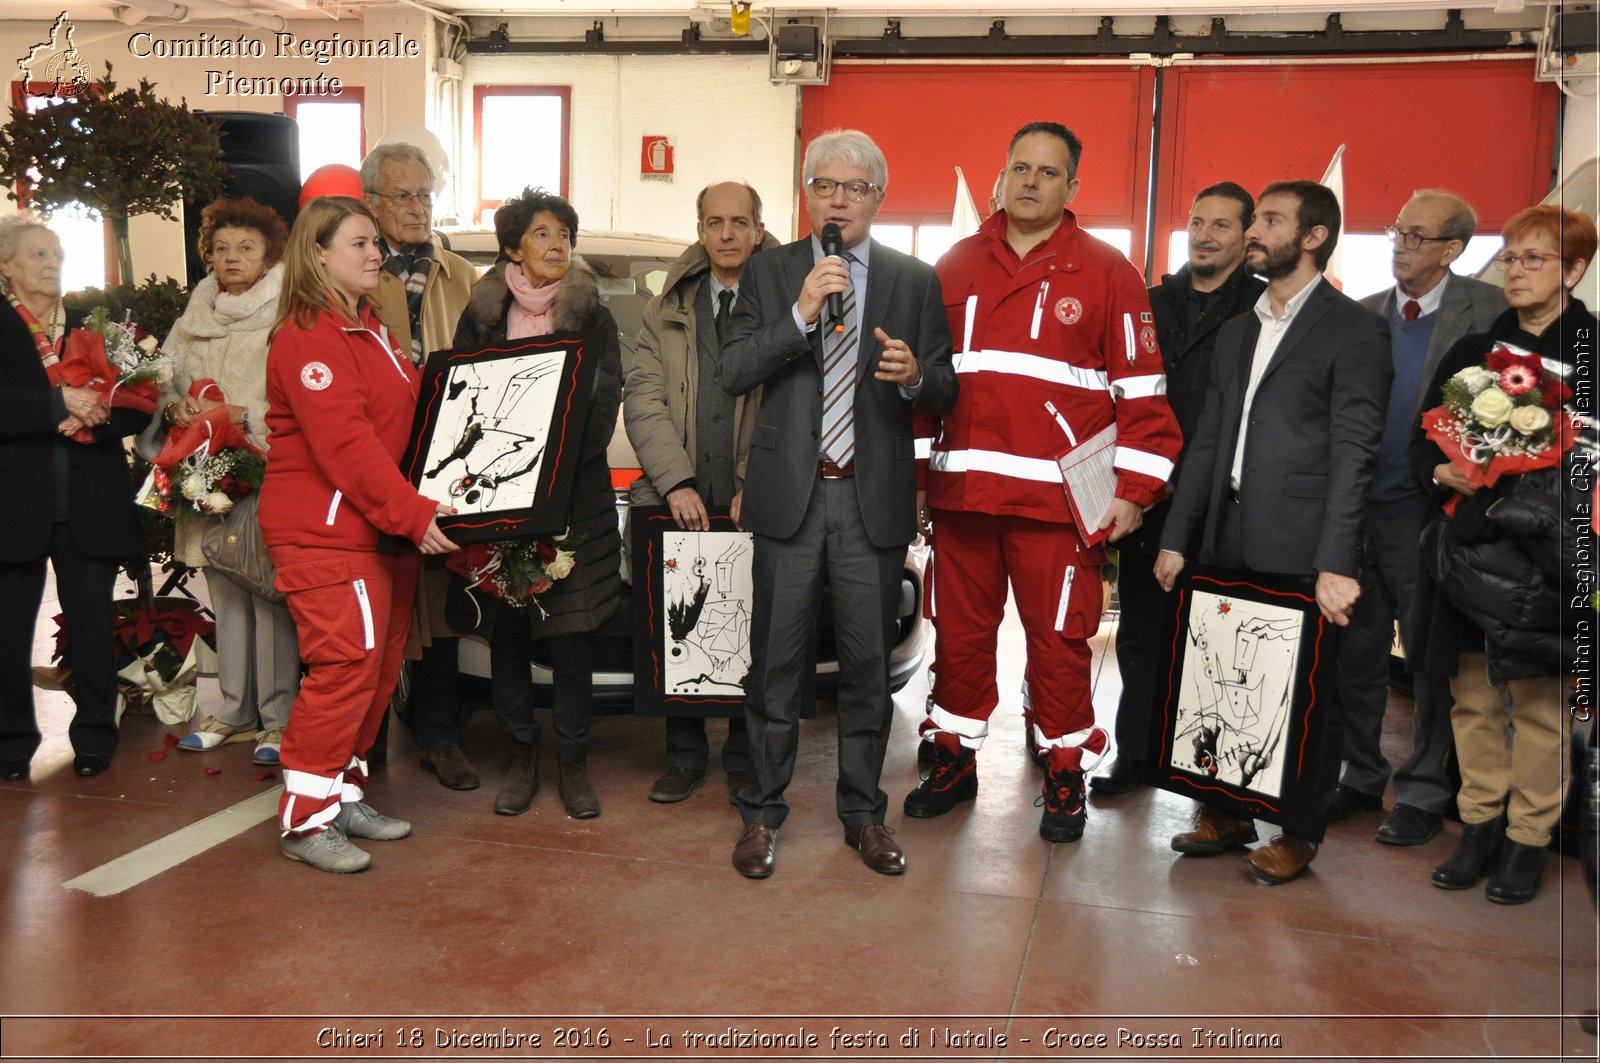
[(536, 288)]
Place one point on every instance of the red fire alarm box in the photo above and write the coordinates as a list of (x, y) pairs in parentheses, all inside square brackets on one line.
[(655, 156)]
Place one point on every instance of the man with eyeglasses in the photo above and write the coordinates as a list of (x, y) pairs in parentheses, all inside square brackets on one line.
[(1057, 343), (843, 340), (422, 290), (1428, 310)]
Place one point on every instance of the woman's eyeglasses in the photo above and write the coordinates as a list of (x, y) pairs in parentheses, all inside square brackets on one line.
[(1531, 260)]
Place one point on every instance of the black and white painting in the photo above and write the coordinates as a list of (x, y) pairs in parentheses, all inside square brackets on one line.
[(1245, 724), (705, 610), (492, 431), (1236, 690), (693, 597), (497, 434)]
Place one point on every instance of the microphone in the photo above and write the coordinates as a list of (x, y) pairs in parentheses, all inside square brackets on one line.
[(833, 244)]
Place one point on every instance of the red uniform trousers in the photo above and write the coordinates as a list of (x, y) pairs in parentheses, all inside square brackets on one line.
[(1055, 580), (352, 611)]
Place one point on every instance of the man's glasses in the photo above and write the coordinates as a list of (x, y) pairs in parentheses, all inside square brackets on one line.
[(855, 191), (405, 199), (1531, 260), (1414, 240)]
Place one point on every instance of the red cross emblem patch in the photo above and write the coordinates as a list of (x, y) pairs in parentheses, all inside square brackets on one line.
[(316, 376), (1068, 310), (1147, 339)]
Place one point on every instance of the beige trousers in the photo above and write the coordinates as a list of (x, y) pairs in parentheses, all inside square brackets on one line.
[(1514, 757)]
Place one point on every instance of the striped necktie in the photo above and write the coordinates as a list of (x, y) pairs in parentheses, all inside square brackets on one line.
[(839, 350)]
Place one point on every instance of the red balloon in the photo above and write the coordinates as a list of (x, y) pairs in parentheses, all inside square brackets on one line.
[(334, 179)]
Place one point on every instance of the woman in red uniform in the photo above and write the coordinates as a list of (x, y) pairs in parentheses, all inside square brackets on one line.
[(341, 399)]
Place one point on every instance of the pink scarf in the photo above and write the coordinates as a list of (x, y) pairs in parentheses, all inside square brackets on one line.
[(531, 311)]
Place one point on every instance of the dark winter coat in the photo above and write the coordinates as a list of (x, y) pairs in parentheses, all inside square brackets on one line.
[(1187, 361), (1491, 575), (590, 594)]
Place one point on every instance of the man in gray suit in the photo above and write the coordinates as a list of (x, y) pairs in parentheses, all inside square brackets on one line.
[(1276, 478), (1428, 310), (830, 485)]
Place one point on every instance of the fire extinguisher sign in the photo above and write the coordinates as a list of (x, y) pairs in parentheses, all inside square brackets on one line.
[(655, 157)]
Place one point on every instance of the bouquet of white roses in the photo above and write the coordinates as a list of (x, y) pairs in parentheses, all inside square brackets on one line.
[(1502, 418)]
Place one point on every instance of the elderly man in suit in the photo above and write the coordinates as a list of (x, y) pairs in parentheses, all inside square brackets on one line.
[(1276, 478), (1428, 310), (830, 485)]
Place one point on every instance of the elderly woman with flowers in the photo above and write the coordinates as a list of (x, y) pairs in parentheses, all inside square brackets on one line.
[(219, 351), (1490, 613), (536, 288), (65, 477)]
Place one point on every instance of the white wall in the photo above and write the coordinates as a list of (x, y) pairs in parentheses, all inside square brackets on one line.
[(726, 121)]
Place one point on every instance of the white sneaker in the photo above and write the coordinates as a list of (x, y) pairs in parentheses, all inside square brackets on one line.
[(357, 819), (326, 850)]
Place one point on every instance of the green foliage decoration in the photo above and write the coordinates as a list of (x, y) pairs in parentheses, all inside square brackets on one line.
[(119, 151)]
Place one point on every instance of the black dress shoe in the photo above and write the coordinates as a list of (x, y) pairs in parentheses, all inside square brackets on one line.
[(878, 849), (1516, 874), (13, 770), (1347, 801), (87, 764), (1409, 825), (756, 851), (1125, 775)]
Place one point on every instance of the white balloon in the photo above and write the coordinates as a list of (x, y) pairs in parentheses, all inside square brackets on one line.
[(420, 137)]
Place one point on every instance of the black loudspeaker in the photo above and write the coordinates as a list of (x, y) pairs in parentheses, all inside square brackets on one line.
[(261, 154)]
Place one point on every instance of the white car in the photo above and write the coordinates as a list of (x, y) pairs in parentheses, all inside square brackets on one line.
[(631, 269)]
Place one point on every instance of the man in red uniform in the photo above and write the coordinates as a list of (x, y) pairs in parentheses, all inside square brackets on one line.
[(1056, 343)]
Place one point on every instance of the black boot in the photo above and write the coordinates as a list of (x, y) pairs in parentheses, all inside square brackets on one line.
[(1479, 843), (576, 793), (522, 780), (1516, 874), (953, 777), (1064, 814)]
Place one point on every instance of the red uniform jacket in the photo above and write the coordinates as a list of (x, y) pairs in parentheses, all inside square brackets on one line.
[(1070, 324), (341, 402)]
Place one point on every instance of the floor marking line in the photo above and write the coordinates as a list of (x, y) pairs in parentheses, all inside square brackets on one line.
[(163, 854)]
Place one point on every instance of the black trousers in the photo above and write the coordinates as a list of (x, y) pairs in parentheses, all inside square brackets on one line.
[(1143, 653), (436, 695), (84, 586), (572, 684), (687, 746), (1329, 723)]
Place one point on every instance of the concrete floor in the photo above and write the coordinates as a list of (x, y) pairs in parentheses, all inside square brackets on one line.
[(994, 945)]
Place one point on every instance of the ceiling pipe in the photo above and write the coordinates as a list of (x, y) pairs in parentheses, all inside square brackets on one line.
[(200, 10)]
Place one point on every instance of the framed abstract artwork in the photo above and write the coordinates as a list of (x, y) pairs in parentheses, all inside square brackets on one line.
[(1250, 683), (498, 431), (693, 593)]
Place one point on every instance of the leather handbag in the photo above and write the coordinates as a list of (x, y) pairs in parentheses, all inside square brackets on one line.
[(233, 546)]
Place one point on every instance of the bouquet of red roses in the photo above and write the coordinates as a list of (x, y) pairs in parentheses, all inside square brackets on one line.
[(517, 571), (1502, 418)]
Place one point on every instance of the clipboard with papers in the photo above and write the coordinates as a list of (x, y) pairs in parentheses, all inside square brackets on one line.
[(1088, 476)]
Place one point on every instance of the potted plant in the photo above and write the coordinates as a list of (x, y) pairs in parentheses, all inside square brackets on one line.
[(120, 152)]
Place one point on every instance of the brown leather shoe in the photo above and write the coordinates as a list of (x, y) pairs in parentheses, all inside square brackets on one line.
[(454, 770), (879, 850), (753, 855), (1281, 859), (1213, 833)]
